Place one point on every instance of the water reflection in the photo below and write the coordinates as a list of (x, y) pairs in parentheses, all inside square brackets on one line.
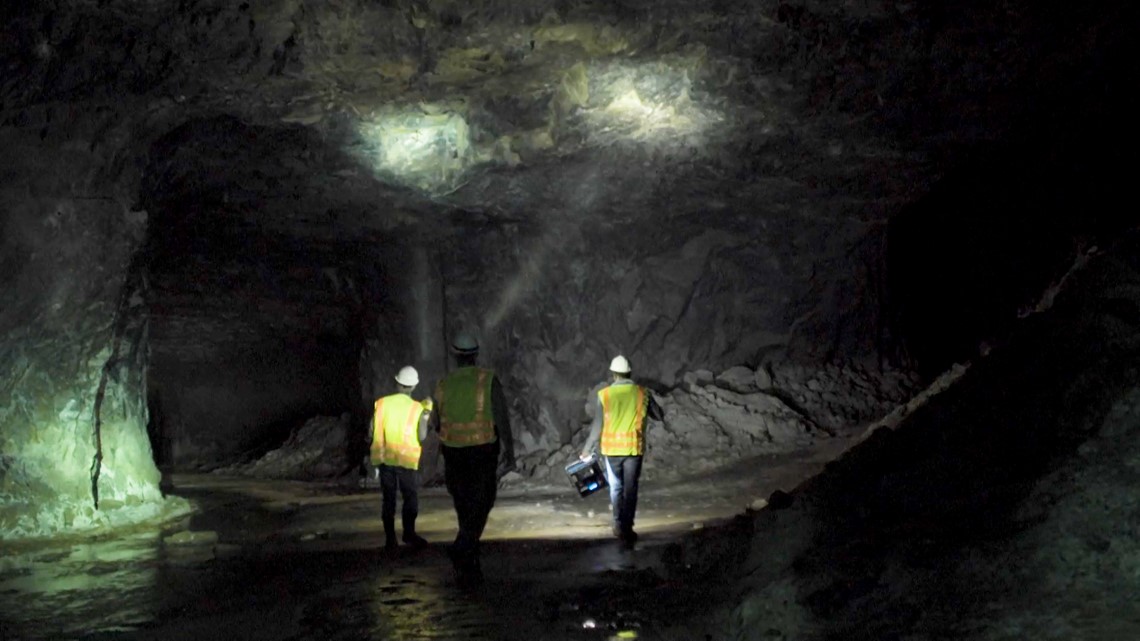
[(278, 560), (52, 592)]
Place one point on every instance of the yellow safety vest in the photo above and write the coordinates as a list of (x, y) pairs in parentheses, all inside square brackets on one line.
[(395, 431), (623, 423), (464, 398)]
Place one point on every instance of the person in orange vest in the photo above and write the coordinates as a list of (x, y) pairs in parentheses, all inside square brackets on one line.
[(399, 426), (620, 412), (475, 435)]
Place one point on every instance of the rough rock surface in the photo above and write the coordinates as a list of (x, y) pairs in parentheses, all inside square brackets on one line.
[(74, 455), (1003, 507), (712, 421)]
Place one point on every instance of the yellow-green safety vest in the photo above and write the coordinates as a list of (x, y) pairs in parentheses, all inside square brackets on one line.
[(395, 431), (623, 419), (464, 398)]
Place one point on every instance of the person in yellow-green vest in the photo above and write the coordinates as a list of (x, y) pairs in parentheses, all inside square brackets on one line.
[(620, 413), (475, 438), (399, 426)]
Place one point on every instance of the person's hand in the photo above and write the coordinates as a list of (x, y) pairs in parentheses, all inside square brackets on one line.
[(505, 467), (584, 455)]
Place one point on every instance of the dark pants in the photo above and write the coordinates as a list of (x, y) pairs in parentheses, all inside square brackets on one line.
[(403, 479), (471, 477), (622, 473)]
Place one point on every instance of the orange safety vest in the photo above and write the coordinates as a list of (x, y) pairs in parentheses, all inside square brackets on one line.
[(395, 431), (623, 423), (466, 416)]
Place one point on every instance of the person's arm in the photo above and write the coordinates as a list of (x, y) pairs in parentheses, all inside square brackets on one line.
[(595, 429), (425, 419), (500, 413), (654, 410), (433, 421), (371, 431)]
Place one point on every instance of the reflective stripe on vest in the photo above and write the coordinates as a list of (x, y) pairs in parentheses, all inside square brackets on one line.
[(466, 417), (395, 432), (623, 422)]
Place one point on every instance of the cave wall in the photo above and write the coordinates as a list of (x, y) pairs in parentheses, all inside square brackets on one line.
[(73, 346), (1001, 508), (553, 305)]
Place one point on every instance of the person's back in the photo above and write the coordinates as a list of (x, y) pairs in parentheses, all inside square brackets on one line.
[(619, 423), (466, 407), (399, 426), (624, 408), (473, 428)]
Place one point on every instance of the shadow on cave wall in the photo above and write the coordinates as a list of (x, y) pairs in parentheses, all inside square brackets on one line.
[(975, 254)]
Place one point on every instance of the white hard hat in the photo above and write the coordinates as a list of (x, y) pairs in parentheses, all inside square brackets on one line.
[(464, 343), (408, 376), (619, 365)]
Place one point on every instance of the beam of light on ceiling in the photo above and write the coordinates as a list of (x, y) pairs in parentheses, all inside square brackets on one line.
[(647, 103), (533, 258), (422, 147)]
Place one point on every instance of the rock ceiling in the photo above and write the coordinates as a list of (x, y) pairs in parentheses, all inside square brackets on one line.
[(732, 114)]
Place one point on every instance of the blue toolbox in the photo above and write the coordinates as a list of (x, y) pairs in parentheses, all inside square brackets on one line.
[(587, 475)]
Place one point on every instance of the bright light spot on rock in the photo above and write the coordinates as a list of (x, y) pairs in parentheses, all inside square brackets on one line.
[(426, 148), (648, 103), (629, 104), (647, 116), (589, 624)]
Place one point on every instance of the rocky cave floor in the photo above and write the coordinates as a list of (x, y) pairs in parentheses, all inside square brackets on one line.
[(264, 559)]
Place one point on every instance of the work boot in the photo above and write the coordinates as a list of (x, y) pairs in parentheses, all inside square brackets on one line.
[(410, 537), (415, 540), (468, 573)]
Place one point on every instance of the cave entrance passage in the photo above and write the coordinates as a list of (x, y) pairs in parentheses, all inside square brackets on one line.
[(258, 300)]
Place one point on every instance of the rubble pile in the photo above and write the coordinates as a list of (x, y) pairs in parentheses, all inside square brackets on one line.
[(319, 449), (738, 413), (742, 412)]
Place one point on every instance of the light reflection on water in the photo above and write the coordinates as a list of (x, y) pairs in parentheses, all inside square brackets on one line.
[(65, 591), (272, 560)]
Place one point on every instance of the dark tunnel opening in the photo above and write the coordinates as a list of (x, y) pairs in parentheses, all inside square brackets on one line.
[(253, 330)]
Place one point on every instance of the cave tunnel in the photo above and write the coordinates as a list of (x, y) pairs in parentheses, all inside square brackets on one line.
[(252, 330), (874, 261)]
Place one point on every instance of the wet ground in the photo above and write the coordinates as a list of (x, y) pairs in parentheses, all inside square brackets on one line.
[(290, 560)]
